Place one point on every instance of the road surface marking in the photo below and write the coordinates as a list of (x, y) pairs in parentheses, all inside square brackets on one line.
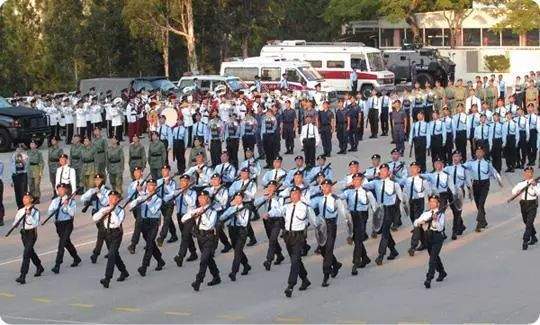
[(177, 313), (44, 320), (42, 300), (231, 317), (128, 309), (6, 295), (82, 305), (53, 251), (290, 319)]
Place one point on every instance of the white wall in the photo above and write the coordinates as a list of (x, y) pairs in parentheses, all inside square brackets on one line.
[(521, 61)]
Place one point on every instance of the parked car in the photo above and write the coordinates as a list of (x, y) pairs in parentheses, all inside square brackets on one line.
[(20, 125), (132, 84), (206, 83)]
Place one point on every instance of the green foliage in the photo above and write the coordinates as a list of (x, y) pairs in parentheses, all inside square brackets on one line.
[(520, 15), (496, 63), (340, 12)]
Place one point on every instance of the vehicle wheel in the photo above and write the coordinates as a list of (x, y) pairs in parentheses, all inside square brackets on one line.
[(366, 90), (423, 78), (5, 140)]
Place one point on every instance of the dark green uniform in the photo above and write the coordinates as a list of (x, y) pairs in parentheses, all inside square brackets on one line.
[(100, 145), (157, 157), (115, 167), (137, 157), (88, 166), (75, 158), (54, 157), (35, 172), (449, 93), (460, 93)]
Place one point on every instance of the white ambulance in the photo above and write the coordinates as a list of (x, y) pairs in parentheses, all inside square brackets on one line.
[(300, 75), (336, 61)]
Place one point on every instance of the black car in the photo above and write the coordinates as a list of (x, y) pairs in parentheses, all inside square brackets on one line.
[(414, 63), (20, 125)]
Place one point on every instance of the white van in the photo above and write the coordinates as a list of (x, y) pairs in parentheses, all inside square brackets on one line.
[(336, 61), (300, 75)]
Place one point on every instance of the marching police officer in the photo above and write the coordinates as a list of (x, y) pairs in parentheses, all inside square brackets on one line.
[(216, 136), (415, 188), (459, 176), (268, 132), (180, 140), (419, 136), (88, 164), (166, 188), (510, 140), (373, 112), (185, 201), (96, 197), (434, 221), (273, 222), (327, 125), (528, 191), (63, 209), (496, 133), (290, 125), (232, 138), (136, 186), (437, 134), (112, 217), (341, 127), (27, 219)]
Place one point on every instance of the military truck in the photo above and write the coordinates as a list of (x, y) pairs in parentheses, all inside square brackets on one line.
[(415, 63)]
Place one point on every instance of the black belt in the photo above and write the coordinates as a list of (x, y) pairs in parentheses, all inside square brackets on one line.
[(88, 161), (100, 152), (295, 231), (34, 164), (206, 232), (114, 161), (155, 155), (135, 158)]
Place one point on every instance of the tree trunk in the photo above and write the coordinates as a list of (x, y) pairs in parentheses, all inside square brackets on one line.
[(165, 51), (245, 46), (411, 21), (190, 40)]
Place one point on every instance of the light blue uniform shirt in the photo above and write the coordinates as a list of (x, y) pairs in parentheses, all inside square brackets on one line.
[(102, 197), (328, 173), (200, 129), (510, 128), (480, 169), (149, 209), (419, 129), (272, 206), (358, 199), (185, 201), (236, 218), (438, 127), (166, 192), (459, 175), (273, 175), (226, 171), (179, 132), (386, 191), (66, 212), (165, 133)]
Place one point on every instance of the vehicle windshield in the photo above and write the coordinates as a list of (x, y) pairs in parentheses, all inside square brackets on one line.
[(163, 84), (376, 62), (140, 84), (310, 73), (4, 103), (236, 84)]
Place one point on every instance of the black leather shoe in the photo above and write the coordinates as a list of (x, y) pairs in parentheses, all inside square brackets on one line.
[(196, 285), (39, 271), (93, 258), (215, 281), (232, 276), (454, 236), (533, 241), (379, 260), (246, 270), (441, 276), (335, 270), (288, 292), (267, 265), (411, 252), (172, 240), (365, 261), (131, 249), (305, 284), (525, 246), (280, 258), (56, 269), (354, 270), (427, 284), (226, 249), (76, 261), (142, 271), (123, 277), (192, 257), (178, 261), (393, 255), (160, 265), (104, 282), (20, 279), (252, 242)]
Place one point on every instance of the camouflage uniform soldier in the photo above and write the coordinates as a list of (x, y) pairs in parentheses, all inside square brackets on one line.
[(35, 171), (449, 93), (157, 155), (115, 165), (88, 153), (491, 94), (438, 96), (137, 155), (460, 93), (531, 95), (101, 151), (75, 152), (54, 157)]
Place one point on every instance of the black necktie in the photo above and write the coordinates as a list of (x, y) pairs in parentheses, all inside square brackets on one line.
[(438, 181), (455, 174), (412, 188), (355, 199), (324, 208), (292, 216), (479, 175), (382, 192)]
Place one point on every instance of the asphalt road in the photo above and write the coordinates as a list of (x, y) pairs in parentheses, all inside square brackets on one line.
[(490, 279)]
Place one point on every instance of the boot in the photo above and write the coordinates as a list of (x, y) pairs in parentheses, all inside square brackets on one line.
[(232, 276), (246, 269), (160, 265), (39, 271), (288, 291), (279, 258), (21, 279), (215, 281), (56, 269), (93, 258), (192, 257), (427, 284), (178, 260), (105, 282), (123, 276), (335, 270), (226, 249), (325, 281), (305, 285), (196, 285), (142, 270), (441, 276), (267, 265), (76, 261)]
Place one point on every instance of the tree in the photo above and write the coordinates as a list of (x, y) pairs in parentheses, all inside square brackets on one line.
[(157, 18), (519, 15), (396, 10), (340, 12), (454, 13)]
